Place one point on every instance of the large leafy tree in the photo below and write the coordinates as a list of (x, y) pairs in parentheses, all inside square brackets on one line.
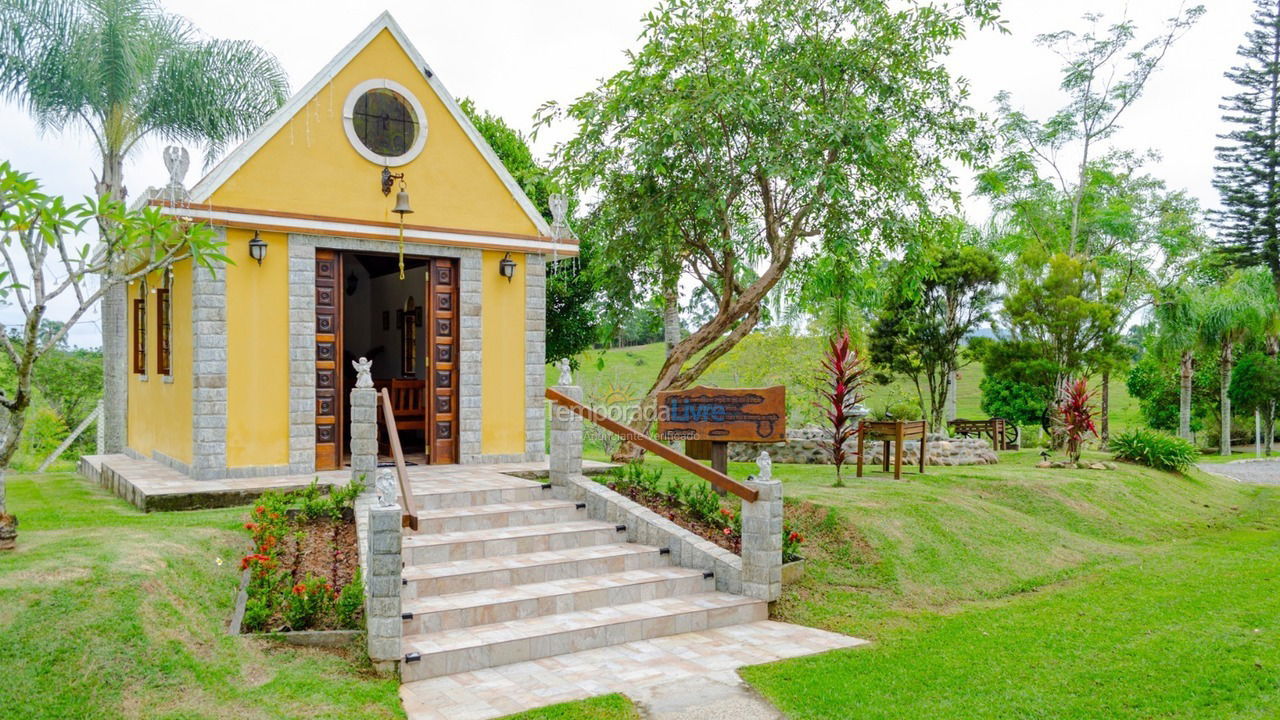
[(1230, 313), (742, 128), (919, 335), (125, 71), (1063, 195), (572, 321), (1248, 176)]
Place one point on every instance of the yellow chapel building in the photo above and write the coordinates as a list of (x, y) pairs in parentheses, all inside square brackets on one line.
[(246, 371)]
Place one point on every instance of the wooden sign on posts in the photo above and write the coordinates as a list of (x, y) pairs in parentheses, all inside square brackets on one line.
[(708, 419)]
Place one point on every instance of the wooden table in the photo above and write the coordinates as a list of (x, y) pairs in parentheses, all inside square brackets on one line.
[(992, 427), (896, 432)]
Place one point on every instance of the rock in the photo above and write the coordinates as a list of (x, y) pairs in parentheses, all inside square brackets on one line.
[(1044, 464), (1111, 466), (1097, 466), (1057, 465)]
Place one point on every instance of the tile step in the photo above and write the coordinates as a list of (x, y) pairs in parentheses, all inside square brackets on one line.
[(484, 607), (520, 539), (503, 643), (483, 517), (435, 494), (495, 572)]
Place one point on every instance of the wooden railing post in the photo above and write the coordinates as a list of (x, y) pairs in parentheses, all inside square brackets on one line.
[(409, 518), (679, 459)]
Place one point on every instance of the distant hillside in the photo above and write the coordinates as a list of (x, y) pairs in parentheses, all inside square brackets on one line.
[(621, 374)]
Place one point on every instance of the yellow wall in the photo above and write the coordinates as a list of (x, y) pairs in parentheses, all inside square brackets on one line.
[(502, 355), (257, 352), (309, 166), (160, 412)]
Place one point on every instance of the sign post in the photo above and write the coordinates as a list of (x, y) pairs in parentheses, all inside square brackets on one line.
[(708, 419)]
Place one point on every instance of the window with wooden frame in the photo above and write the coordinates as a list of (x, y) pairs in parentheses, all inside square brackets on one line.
[(140, 330), (163, 351)]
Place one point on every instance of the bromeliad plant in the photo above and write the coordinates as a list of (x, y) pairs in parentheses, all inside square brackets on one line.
[(841, 389), (1076, 413)]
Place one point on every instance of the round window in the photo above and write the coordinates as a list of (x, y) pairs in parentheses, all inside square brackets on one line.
[(384, 122)]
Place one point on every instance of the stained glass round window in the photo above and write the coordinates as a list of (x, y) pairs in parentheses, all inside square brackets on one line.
[(384, 122)]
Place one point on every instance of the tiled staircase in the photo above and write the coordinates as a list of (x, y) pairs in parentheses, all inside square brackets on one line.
[(500, 572)]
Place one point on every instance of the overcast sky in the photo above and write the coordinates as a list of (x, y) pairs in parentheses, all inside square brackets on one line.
[(510, 56)]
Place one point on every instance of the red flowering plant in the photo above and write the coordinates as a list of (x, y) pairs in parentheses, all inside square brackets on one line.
[(791, 542), (1076, 413), (281, 593), (840, 390)]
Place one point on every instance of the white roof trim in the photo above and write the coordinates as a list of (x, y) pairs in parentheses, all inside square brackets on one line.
[(204, 189), (315, 226)]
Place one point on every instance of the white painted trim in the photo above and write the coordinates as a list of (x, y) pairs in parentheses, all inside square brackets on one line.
[(204, 189), (340, 228), (420, 117)]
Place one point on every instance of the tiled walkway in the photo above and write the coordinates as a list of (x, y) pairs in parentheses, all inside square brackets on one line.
[(636, 669), (150, 485)]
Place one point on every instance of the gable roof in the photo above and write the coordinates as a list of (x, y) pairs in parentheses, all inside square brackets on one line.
[(224, 170)]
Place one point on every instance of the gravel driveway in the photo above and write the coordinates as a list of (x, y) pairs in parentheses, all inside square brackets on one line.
[(1262, 472)]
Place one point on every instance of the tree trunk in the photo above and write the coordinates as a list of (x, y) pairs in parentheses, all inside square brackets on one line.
[(1187, 372), (114, 322), (671, 329), (1269, 435), (1104, 431), (952, 380), (1224, 378)]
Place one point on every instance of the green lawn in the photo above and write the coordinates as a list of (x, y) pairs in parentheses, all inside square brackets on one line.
[(106, 612), (1011, 591), (1003, 591)]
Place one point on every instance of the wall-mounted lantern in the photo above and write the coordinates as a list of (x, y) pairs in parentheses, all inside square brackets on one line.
[(507, 267), (257, 247)]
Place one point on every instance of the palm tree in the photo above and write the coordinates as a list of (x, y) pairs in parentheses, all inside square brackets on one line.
[(1229, 314), (125, 71), (1260, 282), (1179, 331)]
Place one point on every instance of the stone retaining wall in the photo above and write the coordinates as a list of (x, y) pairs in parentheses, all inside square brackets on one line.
[(807, 446)]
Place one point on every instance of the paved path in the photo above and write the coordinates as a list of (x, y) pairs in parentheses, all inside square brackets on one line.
[(1262, 472)]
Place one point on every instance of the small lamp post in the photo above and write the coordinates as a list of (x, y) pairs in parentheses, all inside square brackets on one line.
[(257, 247)]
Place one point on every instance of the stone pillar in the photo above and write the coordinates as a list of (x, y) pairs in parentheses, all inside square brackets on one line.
[(209, 373), (762, 541), (364, 425), (382, 609), (566, 438)]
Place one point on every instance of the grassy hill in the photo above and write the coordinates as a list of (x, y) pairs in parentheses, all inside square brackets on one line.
[(619, 374)]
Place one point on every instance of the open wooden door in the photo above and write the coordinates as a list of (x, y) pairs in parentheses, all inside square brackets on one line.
[(442, 356), (328, 360)]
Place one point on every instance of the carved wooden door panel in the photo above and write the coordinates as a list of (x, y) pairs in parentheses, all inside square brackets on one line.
[(442, 354), (328, 360)]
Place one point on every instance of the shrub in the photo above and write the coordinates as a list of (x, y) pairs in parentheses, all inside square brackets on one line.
[(842, 377), (1076, 416), (350, 603), (1155, 449)]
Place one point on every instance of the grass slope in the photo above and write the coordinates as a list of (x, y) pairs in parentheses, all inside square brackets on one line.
[(1012, 591), (106, 612), (1183, 630)]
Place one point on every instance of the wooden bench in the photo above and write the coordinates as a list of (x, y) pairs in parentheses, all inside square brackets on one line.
[(993, 428), (407, 405)]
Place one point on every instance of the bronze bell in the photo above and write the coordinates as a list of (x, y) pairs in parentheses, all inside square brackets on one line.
[(402, 203)]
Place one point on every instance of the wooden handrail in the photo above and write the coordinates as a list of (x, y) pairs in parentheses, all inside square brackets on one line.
[(409, 516), (679, 459)]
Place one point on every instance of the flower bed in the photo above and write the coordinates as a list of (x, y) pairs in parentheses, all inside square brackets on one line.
[(304, 570), (691, 504)]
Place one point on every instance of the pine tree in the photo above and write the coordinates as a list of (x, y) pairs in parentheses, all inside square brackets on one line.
[(1248, 178)]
